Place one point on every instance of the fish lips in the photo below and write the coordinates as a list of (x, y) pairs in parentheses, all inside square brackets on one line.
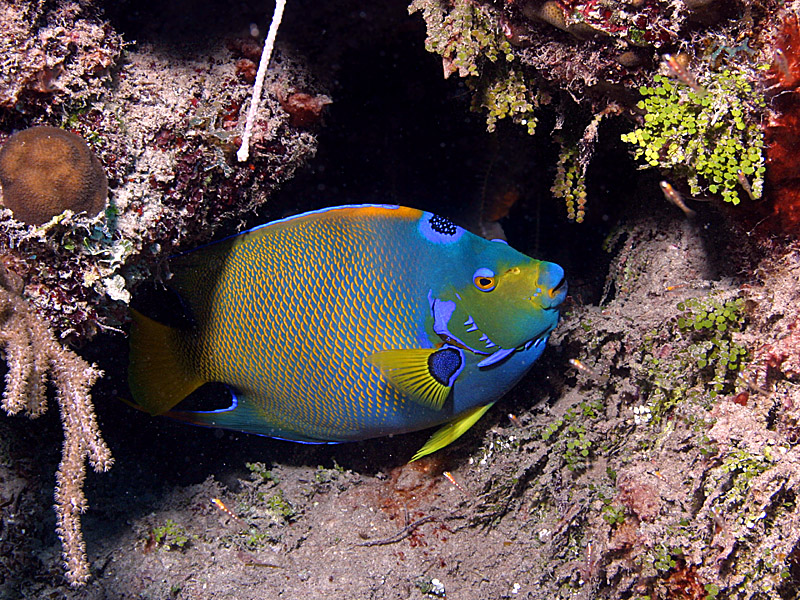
[(556, 295), (551, 288)]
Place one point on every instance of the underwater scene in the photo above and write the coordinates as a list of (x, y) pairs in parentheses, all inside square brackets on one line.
[(412, 299)]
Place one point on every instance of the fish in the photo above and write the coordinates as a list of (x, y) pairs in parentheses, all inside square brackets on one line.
[(682, 73), (347, 323), (674, 196), (599, 377), (782, 62), (745, 184)]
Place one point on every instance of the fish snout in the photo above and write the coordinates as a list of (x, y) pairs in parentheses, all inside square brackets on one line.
[(553, 281)]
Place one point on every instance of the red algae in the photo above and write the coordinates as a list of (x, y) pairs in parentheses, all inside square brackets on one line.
[(782, 130)]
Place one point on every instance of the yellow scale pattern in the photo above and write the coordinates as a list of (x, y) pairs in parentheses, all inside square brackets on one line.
[(316, 299)]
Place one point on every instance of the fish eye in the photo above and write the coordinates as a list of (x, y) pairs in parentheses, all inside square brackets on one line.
[(484, 279)]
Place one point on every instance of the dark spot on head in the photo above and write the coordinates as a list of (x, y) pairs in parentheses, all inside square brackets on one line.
[(442, 225), (46, 170)]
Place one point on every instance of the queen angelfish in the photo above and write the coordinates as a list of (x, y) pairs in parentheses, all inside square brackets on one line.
[(348, 323)]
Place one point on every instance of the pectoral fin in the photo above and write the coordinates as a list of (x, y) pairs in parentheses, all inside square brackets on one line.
[(452, 431), (426, 375)]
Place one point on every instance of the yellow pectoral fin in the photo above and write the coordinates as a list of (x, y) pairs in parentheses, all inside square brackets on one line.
[(426, 375), (452, 431)]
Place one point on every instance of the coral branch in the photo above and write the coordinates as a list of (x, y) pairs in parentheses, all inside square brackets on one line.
[(244, 150), (32, 351)]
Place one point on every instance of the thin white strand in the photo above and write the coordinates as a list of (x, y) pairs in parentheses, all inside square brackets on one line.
[(244, 150)]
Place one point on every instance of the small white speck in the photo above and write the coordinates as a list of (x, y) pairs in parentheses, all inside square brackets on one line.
[(437, 587), (515, 589), (642, 414), (544, 535)]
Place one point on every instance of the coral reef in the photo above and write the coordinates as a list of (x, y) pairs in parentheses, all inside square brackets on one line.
[(654, 451), (46, 170), (687, 482), (165, 124), (32, 352), (464, 34), (584, 485), (595, 52), (63, 59), (166, 128), (471, 44), (592, 57)]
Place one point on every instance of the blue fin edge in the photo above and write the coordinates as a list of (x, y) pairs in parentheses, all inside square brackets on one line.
[(286, 220), (238, 421)]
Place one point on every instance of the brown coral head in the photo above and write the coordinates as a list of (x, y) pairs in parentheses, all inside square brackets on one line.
[(46, 170)]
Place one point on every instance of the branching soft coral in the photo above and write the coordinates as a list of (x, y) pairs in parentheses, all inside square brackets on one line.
[(32, 352)]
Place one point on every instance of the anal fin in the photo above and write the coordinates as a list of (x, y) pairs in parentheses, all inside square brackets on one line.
[(242, 415), (451, 431)]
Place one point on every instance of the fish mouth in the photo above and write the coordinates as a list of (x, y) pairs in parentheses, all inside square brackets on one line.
[(442, 311), (557, 294), (550, 299)]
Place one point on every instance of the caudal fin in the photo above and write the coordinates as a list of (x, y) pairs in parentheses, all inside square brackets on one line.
[(157, 376)]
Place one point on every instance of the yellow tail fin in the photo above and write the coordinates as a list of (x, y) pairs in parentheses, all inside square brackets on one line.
[(157, 376)]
